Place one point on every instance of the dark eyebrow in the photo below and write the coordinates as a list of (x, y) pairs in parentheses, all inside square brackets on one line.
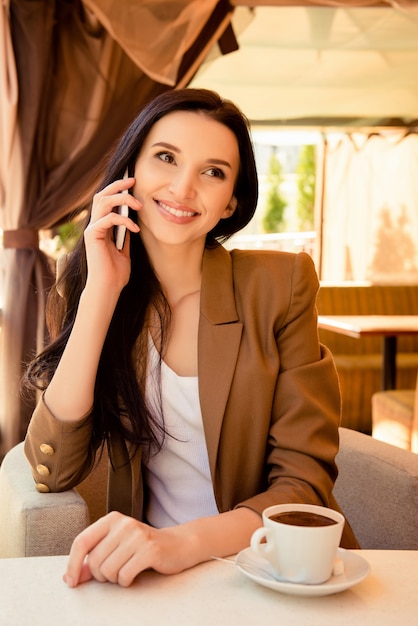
[(219, 162), (169, 146), (163, 144)]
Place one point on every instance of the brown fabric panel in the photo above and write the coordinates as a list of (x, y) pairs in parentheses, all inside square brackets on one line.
[(21, 238), (88, 84)]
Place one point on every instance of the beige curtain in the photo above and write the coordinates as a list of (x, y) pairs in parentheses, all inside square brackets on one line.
[(370, 215), (72, 77)]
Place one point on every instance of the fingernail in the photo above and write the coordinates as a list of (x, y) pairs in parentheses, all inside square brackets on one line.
[(68, 580)]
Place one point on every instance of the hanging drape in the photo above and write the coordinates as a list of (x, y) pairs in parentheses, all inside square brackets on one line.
[(72, 76), (370, 217)]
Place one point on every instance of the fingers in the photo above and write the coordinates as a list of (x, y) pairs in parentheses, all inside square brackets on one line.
[(85, 575), (108, 550), (113, 196), (100, 228), (78, 570), (110, 208), (116, 565), (118, 547)]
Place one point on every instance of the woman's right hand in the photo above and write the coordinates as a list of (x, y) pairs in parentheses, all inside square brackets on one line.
[(109, 268)]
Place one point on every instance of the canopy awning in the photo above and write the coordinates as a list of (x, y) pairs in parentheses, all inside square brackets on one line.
[(314, 65)]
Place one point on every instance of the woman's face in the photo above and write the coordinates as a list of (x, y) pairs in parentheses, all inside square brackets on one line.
[(185, 177)]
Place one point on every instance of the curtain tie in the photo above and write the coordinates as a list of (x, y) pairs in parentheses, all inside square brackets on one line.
[(21, 238)]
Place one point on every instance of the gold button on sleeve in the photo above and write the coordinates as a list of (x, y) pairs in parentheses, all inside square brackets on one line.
[(45, 448), (42, 488), (43, 470)]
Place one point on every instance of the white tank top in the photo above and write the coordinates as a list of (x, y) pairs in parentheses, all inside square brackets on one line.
[(178, 478)]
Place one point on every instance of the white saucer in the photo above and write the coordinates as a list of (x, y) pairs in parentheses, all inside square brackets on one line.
[(259, 569)]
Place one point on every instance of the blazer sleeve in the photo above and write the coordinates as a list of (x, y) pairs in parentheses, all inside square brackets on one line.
[(60, 453)]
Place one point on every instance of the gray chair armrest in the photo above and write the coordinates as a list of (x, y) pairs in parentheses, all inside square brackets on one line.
[(32, 523), (377, 489)]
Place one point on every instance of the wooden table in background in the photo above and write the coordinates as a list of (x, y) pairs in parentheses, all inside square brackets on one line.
[(387, 326)]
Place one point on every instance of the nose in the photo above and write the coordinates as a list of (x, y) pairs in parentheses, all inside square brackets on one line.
[(183, 185)]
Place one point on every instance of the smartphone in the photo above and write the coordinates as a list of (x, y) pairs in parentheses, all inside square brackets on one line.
[(120, 231)]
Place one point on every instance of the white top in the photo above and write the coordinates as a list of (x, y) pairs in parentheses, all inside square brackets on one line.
[(178, 477)]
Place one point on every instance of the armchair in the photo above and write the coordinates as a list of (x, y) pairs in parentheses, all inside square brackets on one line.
[(45, 524), (377, 489)]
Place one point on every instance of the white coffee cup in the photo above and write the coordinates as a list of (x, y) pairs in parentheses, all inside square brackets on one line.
[(299, 553)]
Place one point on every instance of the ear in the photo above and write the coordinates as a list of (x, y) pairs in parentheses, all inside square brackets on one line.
[(230, 209)]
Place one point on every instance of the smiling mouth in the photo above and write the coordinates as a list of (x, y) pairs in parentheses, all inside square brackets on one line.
[(176, 212)]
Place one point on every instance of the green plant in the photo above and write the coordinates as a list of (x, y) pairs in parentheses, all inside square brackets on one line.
[(69, 232), (273, 219), (306, 170)]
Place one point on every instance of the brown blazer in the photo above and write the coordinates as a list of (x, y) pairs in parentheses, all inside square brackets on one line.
[(269, 394)]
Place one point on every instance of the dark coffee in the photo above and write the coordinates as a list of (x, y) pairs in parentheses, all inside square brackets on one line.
[(302, 518)]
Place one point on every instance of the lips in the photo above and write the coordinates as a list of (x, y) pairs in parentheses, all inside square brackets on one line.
[(176, 212)]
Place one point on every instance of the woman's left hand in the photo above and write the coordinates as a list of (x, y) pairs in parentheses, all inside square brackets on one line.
[(116, 548)]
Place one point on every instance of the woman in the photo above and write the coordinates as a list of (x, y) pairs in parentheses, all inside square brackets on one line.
[(200, 368)]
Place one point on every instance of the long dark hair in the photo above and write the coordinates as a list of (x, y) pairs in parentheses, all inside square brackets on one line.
[(119, 398)]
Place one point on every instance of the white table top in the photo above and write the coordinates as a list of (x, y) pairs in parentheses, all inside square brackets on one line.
[(212, 594)]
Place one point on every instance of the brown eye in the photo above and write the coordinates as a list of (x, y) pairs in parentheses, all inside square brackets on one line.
[(215, 172), (167, 157)]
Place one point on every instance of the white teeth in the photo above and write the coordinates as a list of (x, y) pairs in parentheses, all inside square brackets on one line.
[(176, 212)]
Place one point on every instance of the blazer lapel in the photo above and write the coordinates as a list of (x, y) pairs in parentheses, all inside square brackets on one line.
[(219, 340)]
